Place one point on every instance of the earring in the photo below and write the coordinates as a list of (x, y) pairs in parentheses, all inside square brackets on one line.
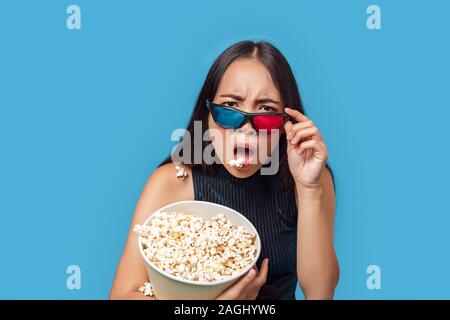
[(181, 173)]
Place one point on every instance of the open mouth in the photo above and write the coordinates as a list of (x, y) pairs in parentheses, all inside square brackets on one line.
[(242, 156)]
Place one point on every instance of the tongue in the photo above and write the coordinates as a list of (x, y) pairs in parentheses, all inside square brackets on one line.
[(241, 153)]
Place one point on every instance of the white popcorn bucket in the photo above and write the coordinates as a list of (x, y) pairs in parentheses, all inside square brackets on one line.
[(169, 287)]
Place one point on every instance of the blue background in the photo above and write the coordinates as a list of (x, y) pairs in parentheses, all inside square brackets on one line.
[(80, 129)]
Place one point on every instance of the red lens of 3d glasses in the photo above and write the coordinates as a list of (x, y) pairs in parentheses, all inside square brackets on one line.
[(268, 122)]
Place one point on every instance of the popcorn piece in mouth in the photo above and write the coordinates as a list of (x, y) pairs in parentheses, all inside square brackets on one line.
[(181, 173), (191, 248), (239, 162), (146, 289)]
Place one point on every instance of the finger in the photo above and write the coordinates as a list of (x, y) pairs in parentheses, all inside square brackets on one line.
[(262, 275), (255, 266), (298, 126), (311, 132), (235, 290), (252, 290), (295, 114), (319, 150), (288, 129), (288, 126), (303, 124)]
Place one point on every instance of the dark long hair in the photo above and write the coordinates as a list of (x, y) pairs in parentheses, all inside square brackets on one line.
[(281, 75)]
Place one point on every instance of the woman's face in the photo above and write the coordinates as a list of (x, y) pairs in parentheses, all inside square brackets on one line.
[(246, 85)]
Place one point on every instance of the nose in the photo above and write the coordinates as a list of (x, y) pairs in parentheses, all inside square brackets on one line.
[(246, 129)]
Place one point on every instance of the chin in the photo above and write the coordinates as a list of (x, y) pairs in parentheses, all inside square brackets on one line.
[(245, 171)]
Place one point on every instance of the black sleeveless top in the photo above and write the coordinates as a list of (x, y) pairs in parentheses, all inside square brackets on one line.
[(273, 212)]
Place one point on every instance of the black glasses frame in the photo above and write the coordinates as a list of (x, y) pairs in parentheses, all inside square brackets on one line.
[(248, 116)]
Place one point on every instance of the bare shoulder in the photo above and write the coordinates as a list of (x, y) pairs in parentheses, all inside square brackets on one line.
[(164, 187), (166, 180)]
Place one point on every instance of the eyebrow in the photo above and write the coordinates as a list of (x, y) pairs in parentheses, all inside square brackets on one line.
[(239, 98)]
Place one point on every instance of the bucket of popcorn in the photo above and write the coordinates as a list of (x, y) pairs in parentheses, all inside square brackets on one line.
[(195, 250)]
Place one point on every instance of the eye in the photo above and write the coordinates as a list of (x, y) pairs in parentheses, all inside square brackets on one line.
[(266, 108), (229, 104)]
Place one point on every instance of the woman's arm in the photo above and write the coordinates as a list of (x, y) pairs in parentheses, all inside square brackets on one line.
[(317, 264), (161, 189)]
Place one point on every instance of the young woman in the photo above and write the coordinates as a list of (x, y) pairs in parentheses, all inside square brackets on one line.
[(248, 88)]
